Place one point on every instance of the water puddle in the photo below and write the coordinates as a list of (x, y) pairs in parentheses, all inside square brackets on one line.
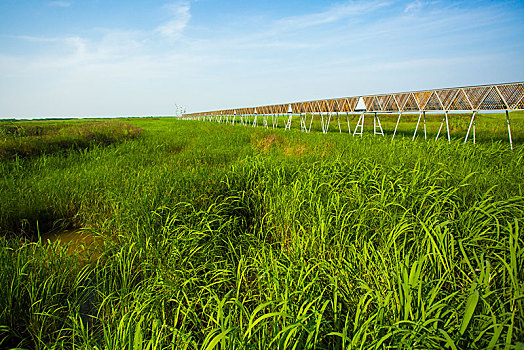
[(86, 247), (78, 241)]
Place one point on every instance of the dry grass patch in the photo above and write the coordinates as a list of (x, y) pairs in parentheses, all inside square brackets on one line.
[(265, 143), (297, 150)]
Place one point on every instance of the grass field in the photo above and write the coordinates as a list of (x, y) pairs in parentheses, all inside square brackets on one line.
[(201, 235)]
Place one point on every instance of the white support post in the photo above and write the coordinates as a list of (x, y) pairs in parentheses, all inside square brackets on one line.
[(416, 127), (338, 120), (440, 128), (311, 122), (447, 127), (305, 122), (288, 123), (474, 133), (444, 120), (425, 134), (289, 118), (470, 124), (360, 123), (509, 129), (375, 124), (347, 119), (381, 132), (325, 122), (396, 126)]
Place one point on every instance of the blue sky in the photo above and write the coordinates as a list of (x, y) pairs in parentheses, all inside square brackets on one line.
[(72, 58)]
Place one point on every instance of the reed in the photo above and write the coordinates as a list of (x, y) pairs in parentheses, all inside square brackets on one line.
[(214, 236)]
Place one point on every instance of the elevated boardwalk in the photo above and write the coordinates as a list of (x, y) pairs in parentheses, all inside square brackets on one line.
[(470, 99)]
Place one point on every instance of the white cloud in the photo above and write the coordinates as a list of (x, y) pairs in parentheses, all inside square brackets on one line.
[(413, 6), (35, 39), (418, 5), (59, 3), (180, 17), (332, 14)]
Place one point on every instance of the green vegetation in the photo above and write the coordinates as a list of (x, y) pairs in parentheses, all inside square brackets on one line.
[(31, 139), (218, 236)]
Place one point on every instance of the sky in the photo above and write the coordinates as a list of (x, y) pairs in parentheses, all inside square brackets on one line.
[(73, 58)]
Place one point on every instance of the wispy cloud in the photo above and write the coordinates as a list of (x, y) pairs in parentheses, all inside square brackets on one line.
[(35, 39), (59, 3), (413, 6), (417, 5), (180, 16), (334, 13)]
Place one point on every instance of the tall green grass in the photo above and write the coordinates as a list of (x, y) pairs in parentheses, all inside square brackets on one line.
[(219, 236), (28, 139)]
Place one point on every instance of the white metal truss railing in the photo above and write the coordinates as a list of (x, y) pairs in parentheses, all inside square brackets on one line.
[(496, 97)]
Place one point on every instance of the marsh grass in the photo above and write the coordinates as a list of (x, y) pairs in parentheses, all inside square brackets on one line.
[(219, 237), (22, 140)]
